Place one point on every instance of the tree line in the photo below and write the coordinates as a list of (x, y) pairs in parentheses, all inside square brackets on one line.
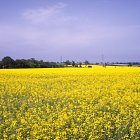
[(8, 62)]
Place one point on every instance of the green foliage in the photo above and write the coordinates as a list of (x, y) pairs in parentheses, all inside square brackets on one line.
[(86, 62), (8, 62), (67, 62)]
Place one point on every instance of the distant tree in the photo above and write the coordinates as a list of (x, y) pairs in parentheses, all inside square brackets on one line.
[(0, 64), (8, 62), (86, 62), (31, 63), (130, 64), (22, 63), (67, 62), (73, 63), (60, 65)]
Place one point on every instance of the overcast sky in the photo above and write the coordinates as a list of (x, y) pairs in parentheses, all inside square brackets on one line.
[(74, 29)]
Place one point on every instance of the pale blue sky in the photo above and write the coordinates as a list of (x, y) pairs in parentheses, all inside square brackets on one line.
[(74, 29)]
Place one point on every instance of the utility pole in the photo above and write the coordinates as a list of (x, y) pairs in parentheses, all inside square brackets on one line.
[(102, 57), (61, 59)]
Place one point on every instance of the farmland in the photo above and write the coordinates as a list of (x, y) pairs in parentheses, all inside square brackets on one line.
[(70, 103)]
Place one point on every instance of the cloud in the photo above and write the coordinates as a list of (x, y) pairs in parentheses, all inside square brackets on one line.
[(45, 14)]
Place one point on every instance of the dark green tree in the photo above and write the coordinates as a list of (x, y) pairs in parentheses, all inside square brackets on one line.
[(0, 64), (8, 62), (73, 63), (21, 63), (67, 62), (86, 62)]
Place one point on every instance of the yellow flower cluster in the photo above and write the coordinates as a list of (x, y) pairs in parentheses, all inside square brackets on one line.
[(70, 103)]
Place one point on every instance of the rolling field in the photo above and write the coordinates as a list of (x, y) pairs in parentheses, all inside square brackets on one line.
[(70, 103)]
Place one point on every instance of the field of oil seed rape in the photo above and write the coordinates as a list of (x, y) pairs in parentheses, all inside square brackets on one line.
[(70, 103)]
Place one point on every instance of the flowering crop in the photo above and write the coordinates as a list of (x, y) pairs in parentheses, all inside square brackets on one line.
[(70, 103)]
